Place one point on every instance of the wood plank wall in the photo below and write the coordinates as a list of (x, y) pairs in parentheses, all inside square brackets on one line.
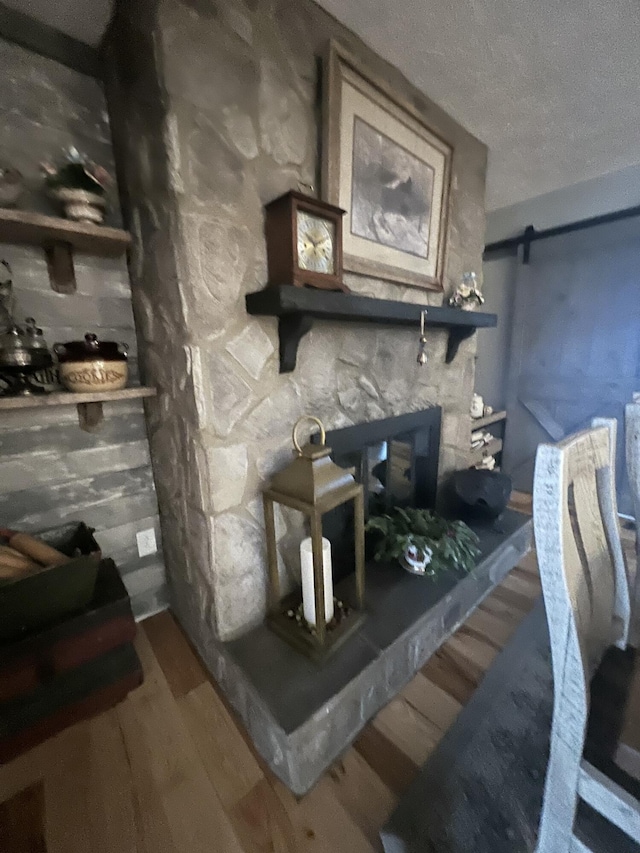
[(50, 470)]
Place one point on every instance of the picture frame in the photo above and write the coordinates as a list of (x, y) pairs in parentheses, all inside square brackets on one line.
[(388, 170)]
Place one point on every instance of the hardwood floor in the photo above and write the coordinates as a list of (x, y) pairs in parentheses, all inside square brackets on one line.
[(170, 770)]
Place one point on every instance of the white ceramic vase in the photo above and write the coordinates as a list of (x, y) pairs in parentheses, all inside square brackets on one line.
[(81, 205)]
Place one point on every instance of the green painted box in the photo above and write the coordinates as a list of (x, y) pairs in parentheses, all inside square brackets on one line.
[(51, 594)]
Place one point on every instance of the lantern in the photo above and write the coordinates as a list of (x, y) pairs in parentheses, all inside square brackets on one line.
[(313, 484)]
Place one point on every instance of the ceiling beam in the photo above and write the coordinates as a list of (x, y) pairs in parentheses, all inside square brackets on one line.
[(46, 41)]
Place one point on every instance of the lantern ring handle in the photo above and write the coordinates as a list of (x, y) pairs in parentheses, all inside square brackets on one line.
[(316, 421)]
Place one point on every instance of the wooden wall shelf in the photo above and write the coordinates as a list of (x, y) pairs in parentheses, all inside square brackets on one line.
[(480, 453), (59, 238), (297, 308), (487, 420), (90, 414)]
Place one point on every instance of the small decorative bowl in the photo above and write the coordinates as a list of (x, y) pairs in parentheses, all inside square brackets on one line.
[(92, 365)]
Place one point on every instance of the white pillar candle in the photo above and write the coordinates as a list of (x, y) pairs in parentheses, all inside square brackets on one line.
[(306, 566)]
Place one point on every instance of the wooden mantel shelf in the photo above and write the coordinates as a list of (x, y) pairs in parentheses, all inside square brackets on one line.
[(59, 238), (297, 307), (89, 406)]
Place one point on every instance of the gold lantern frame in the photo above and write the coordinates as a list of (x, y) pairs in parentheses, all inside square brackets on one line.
[(313, 484)]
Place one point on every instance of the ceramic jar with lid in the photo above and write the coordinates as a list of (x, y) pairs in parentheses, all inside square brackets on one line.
[(91, 365)]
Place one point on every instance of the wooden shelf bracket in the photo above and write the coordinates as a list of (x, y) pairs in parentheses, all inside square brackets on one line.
[(90, 416), (62, 275)]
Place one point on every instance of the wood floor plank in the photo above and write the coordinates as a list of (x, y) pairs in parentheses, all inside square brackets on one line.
[(261, 821), (479, 653), (495, 630), (172, 650), (229, 762), (167, 771), (446, 671), (480, 636), (502, 610), (435, 704), (22, 821), (412, 733), (516, 600), (24, 771), (320, 822), (88, 791), (530, 575), (395, 769), (362, 793), (521, 586)]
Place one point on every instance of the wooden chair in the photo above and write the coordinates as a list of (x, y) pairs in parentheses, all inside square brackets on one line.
[(609, 507), (632, 453), (574, 528)]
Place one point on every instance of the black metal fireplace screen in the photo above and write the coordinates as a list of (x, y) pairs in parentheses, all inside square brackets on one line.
[(395, 460)]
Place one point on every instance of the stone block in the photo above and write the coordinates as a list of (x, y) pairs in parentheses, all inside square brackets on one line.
[(241, 132), (240, 603), (227, 468), (228, 397), (284, 120), (251, 348), (276, 414), (239, 548)]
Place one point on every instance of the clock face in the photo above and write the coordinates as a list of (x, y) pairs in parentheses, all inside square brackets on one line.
[(316, 243)]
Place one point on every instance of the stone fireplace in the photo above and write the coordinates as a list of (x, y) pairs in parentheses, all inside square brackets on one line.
[(215, 111)]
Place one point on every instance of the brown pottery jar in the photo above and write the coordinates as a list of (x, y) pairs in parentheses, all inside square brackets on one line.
[(91, 365)]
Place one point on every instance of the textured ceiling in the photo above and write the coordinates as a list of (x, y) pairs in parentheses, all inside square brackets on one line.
[(552, 87)]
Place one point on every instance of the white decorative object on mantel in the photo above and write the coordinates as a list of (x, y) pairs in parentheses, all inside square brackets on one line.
[(308, 588), (477, 406), (468, 295)]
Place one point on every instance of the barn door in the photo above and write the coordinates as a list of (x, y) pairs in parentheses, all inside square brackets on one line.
[(575, 350)]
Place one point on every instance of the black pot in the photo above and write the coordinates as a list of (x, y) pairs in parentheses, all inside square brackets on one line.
[(481, 495)]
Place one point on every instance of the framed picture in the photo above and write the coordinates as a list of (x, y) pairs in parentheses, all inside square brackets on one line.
[(388, 171)]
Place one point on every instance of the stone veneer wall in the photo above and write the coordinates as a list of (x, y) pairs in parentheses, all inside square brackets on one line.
[(51, 471), (215, 110)]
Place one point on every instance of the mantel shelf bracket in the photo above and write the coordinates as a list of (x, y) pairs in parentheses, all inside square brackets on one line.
[(457, 334), (291, 329)]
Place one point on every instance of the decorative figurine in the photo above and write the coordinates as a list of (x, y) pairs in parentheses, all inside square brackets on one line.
[(468, 295), (79, 185), (477, 406)]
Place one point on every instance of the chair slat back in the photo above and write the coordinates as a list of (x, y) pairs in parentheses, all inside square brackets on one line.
[(577, 568), (632, 451), (609, 507)]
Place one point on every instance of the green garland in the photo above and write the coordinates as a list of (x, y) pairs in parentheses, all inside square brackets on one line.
[(452, 544)]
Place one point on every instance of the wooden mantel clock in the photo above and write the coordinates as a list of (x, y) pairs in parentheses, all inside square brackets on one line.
[(304, 242)]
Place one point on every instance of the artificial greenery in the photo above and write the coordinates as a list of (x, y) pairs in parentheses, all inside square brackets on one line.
[(76, 172), (452, 544)]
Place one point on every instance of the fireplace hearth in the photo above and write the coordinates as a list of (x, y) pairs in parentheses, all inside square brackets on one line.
[(302, 716)]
